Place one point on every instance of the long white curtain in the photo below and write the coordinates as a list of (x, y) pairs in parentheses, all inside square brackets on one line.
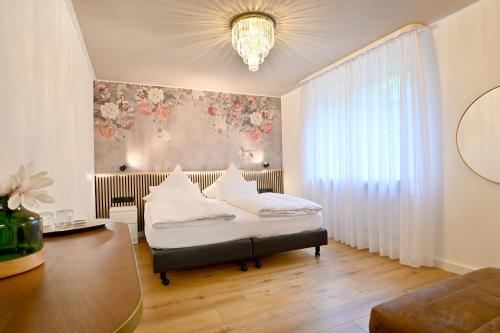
[(46, 93), (367, 155)]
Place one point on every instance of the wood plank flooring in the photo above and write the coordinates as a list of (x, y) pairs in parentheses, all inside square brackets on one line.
[(292, 292)]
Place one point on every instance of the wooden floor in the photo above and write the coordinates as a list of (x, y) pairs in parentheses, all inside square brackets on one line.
[(292, 292)]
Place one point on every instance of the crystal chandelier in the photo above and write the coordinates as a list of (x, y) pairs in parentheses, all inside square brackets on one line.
[(253, 38)]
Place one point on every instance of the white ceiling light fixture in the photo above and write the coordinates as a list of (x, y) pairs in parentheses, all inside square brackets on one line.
[(253, 37)]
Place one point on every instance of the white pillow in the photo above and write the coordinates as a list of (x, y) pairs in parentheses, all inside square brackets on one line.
[(232, 174), (173, 193), (177, 178), (177, 186), (230, 189), (211, 191)]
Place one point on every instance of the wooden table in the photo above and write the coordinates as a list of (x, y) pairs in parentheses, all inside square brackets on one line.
[(89, 283)]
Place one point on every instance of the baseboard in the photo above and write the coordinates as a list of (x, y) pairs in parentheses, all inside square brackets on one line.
[(453, 267)]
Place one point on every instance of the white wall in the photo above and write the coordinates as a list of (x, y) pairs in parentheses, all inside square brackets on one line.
[(468, 54), (46, 99), (291, 141)]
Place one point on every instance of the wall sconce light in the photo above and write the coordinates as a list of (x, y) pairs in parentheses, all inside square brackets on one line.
[(266, 164), (123, 167)]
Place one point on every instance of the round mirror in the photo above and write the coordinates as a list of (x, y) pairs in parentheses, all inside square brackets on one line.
[(478, 136)]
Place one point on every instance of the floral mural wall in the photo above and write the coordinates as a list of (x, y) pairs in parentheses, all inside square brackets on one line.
[(151, 128)]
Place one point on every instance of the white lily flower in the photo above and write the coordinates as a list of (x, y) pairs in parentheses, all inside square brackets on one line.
[(14, 201), (5, 188), (24, 188)]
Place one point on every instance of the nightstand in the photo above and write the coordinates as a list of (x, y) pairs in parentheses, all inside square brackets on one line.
[(127, 215)]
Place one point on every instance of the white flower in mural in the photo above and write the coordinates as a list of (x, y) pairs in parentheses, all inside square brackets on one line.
[(109, 110), (256, 118), (156, 95), (220, 125)]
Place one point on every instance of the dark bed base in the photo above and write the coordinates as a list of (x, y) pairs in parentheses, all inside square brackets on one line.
[(203, 255), (241, 250)]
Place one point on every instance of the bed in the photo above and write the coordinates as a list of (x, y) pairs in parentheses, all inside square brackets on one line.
[(247, 236)]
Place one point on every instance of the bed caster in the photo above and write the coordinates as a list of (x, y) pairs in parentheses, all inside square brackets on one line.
[(243, 266), (164, 279), (258, 263), (317, 254)]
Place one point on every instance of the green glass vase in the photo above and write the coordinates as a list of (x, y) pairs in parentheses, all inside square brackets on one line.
[(21, 232)]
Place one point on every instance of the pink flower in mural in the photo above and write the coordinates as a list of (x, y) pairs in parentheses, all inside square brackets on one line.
[(127, 122), (267, 127), (144, 107), (103, 89), (255, 134), (238, 105), (163, 111), (116, 105), (233, 115), (212, 110), (108, 130)]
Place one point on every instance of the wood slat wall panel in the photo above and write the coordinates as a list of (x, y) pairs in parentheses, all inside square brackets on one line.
[(136, 185)]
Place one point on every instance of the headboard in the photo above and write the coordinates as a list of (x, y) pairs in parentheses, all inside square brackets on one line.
[(109, 186)]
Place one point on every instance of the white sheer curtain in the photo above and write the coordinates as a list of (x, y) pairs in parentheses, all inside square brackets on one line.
[(367, 155), (47, 100)]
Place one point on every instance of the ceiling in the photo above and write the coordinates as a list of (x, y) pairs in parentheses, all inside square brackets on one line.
[(187, 43)]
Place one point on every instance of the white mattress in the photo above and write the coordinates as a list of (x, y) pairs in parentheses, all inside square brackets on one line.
[(245, 225)]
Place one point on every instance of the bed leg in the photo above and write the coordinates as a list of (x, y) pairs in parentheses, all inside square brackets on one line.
[(243, 264), (164, 279), (258, 262), (317, 254)]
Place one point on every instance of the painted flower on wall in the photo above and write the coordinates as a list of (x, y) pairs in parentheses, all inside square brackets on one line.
[(116, 106), (255, 134), (212, 110), (109, 110), (113, 112), (238, 105), (163, 112), (267, 127), (108, 130), (250, 115), (144, 107), (256, 118), (156, 95), (101, 93), (126, 122)]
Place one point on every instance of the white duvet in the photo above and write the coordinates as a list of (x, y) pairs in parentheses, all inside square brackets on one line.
[(175, 213), (275, 205)]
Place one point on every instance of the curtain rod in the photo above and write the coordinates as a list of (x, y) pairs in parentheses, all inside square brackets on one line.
[(397, 33)]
